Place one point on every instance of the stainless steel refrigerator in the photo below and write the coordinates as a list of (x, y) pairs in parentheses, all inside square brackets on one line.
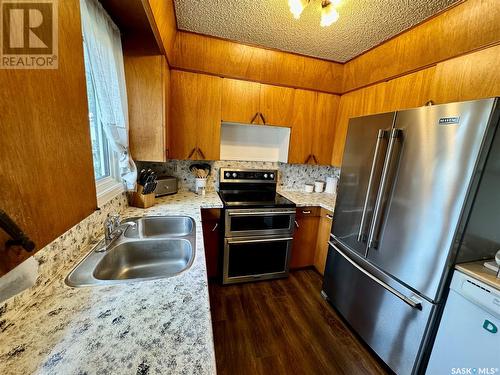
[(419, 189)]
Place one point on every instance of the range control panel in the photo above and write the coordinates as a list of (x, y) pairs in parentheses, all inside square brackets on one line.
[(248, 175)]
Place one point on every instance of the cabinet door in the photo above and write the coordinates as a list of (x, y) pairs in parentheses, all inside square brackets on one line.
[(324, 229), (147, 82), (212, 239), (276, 105), (303, 124), (195, 116), (240, 101), (324, 127), (304, 242), (183, 115), (209, 91)]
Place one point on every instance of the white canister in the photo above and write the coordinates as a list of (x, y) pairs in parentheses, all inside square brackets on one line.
[(331, 185), (199, 185), (319, 186), (308, 188)]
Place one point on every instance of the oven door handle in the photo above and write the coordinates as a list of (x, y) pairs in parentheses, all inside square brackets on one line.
[(260, 240), (260, 213)]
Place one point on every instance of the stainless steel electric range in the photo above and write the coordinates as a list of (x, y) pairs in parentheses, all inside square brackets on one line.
[(258, 226)]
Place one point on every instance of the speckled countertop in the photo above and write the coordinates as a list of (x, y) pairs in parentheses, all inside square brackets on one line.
[(302, 199), (150, 327)]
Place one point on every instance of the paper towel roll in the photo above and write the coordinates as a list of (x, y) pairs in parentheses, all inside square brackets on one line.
[(331, 185), (20, 278)]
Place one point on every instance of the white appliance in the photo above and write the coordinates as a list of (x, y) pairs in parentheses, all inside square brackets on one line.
[(468, 337)]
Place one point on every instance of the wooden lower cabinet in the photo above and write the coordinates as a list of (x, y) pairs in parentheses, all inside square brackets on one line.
[(324, 229), (310, 244), (212, 238)]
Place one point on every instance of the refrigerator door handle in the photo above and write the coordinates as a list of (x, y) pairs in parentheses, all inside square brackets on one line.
[(401, 296), (384, 185), (381, 135)]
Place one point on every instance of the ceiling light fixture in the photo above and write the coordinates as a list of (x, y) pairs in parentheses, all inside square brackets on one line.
[(329, 14), (297, 7)]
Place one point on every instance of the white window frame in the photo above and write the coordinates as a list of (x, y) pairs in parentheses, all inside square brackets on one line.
[(109, 187)]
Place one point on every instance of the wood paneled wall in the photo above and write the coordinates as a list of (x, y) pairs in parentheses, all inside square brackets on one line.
[(467, 77), (46, 173), (161, 14), (467, 27), (199, 53)]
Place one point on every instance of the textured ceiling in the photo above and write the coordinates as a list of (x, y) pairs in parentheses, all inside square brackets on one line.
[(362, 25)]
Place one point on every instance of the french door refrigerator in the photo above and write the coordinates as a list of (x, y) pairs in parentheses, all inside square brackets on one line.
[(411, 181)]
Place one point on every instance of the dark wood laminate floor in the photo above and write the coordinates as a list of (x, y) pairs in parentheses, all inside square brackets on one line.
[(283, 327)]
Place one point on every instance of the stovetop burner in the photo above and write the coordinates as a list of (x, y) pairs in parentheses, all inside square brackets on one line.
[(251, 188), (254, 199)]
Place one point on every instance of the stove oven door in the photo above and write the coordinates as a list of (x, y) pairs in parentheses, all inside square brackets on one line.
[(256, 258), (259, 222)]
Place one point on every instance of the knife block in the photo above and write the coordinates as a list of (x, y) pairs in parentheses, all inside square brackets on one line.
[(137, 199)]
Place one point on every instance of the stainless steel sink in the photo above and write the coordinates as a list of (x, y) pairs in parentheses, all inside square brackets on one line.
[(144, 259), (160, 226), (158, 248)]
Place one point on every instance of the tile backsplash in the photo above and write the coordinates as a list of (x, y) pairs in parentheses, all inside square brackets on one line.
[(292, 177)]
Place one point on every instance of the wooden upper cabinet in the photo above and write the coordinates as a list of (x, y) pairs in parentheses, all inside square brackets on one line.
[(183, 114), (240, 101), (313, 127), (147, 79), (194, 116), (324, 127), (276, 105), (303, 123), (208, 117)]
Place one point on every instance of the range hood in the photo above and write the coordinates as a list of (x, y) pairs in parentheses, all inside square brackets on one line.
[(254, 142)]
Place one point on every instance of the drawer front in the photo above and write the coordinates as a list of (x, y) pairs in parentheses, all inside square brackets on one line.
[(308, 211)]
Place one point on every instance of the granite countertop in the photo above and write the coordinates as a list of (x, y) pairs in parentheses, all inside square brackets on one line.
[(149, 327), (302, 199), (480, 272)]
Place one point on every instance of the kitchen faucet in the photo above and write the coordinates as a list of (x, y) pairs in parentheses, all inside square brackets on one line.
[(112, 231)]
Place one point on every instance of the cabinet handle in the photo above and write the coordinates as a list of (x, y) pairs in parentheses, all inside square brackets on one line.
[(167, 151), (329, 217), (201, 154), (297, 224), (262, 117), (254, 118), (314, 158), (191, 153), (215, 227), (307, 159), (306, 212)]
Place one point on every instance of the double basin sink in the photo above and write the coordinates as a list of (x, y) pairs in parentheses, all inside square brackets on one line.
[(148, 248)]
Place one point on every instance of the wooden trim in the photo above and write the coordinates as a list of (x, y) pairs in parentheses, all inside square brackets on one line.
[(252, 80), (161, 14), (154, 27)]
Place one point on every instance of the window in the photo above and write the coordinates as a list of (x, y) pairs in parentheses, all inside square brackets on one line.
[(106, 170)]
